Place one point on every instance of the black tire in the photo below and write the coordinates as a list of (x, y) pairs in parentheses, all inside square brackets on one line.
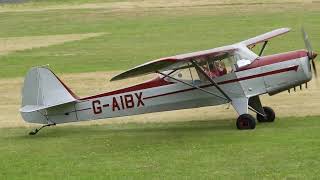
[(246, 121), (270, 115)]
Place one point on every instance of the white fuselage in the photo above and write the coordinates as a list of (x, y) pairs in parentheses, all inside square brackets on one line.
[(270, 74)]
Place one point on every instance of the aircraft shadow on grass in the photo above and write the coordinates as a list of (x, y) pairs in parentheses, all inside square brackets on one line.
[(135, 129)]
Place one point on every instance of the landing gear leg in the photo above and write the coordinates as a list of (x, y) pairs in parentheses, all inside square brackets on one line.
[(268, 117), (34, 132), (246, 121)]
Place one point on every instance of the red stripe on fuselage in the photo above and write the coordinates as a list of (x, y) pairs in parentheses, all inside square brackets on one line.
[(293, 68), (276, 58), (156, 82)]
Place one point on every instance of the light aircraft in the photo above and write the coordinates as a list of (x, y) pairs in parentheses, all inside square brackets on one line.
[(230, 74)]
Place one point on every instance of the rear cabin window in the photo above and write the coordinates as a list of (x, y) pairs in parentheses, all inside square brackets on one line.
[(186, 74)]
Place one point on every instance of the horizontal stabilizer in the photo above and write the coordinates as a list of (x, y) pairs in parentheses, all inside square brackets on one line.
[(33, 108)]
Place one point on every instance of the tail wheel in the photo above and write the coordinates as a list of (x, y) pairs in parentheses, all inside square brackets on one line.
[(246, 121), (269, 115)]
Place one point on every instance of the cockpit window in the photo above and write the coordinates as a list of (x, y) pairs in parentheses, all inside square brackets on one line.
[(215, 66)]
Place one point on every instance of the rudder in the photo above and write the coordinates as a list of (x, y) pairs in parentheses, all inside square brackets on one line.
[(42, 89)]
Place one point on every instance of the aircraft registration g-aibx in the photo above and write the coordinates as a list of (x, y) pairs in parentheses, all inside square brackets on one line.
[(229, 74)]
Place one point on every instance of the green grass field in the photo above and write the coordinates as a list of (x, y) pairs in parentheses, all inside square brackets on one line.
[(139, 36), (286, 149)]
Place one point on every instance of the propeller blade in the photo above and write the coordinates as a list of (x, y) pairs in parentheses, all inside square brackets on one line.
[(314, 68), (307, 42), (311, 54)]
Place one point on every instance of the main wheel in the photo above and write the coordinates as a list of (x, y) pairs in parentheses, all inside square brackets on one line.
[(270, 115), (246, 121)]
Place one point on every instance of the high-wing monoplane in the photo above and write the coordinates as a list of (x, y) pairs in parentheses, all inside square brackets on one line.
[(230, 74)]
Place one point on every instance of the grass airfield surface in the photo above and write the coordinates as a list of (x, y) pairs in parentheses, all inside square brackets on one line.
[(288, 148), (86, 42)]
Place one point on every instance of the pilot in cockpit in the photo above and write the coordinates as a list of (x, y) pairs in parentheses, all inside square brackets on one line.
[(221, 67), (217, 69)]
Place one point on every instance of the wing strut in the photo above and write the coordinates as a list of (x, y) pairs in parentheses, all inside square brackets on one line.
[(263, 47), (201, 89), (196, 65)]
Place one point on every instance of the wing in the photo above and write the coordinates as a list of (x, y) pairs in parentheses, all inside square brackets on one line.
[(265, 37), (173, 62)]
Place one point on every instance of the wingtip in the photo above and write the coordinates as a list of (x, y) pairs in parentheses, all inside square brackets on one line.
[(286, 29), (113, 79), (116, 78)]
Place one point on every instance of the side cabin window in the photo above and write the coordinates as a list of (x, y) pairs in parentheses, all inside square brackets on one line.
[(188, 74), (183, 74)]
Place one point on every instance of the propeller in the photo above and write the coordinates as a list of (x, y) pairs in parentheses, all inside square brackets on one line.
[(311, 54)]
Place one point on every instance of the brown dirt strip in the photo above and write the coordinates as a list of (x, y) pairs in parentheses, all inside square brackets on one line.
[(133, 5), (11, 44), (299, 103)]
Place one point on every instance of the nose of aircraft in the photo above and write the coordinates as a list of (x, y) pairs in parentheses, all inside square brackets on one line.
[(314, 55)]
